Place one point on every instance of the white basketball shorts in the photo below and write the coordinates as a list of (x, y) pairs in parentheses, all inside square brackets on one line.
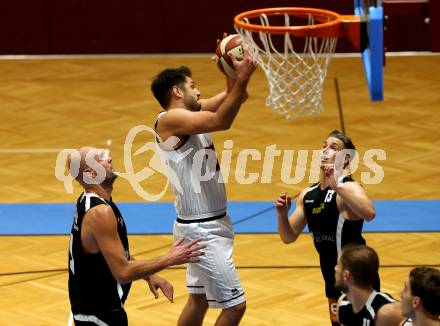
[(215, 274)]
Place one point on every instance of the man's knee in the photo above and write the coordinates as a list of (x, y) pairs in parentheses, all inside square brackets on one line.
[(199, 301), (237, 310)]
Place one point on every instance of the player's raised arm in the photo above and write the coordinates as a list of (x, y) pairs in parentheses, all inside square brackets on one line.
[(355, 201), (213, 103), (289, 229), (183, 115)]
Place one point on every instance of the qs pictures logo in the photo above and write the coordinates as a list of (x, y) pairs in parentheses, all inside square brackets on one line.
[(169, 163)]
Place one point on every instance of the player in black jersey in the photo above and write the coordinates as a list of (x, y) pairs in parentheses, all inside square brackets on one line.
[(421, 297), (100, 266), (361, 305), (334, 210)]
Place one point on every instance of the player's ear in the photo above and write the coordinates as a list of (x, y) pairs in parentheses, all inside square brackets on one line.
[(346, 274), (177, 92), (346, 160), (416, 302)]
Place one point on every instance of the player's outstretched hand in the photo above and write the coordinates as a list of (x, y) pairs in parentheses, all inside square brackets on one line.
[(156, 282), (185, 252), (283, 203)]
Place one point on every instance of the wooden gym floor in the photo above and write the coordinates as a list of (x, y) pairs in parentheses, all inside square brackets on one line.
[(50, 104)]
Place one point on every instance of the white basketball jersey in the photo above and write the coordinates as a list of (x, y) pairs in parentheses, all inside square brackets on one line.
[(194, 174)]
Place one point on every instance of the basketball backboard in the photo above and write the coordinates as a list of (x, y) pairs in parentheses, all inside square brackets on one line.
[(371, 13)]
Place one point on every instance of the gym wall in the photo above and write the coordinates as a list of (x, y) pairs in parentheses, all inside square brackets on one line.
[(173, 26)]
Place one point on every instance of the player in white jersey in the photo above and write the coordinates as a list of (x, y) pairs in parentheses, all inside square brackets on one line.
[(195, 176), (191, 164), (421, 297)]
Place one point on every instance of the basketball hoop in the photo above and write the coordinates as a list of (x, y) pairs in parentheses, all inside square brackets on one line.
[(294, 47)]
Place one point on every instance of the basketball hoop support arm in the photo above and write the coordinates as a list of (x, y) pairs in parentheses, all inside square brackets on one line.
[(351, 29)]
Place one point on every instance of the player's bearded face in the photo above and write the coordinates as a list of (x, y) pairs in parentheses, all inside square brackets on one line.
[(191, 98), (111, 176), (191, 102), (106, 161)]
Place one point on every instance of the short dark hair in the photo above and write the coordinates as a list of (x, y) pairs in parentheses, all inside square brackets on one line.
[(425, 283), (348, 144), (362, 262), (164, 82)]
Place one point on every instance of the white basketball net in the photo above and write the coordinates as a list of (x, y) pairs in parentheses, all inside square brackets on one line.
[(295, 78)]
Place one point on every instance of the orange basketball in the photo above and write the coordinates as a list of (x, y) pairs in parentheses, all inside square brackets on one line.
[(230, 46)]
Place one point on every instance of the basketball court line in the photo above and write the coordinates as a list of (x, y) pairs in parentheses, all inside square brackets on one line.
[(34, 272), (238, 267), (34, 278)]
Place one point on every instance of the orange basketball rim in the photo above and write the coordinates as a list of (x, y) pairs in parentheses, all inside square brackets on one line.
[(294, 47), (327, 24)]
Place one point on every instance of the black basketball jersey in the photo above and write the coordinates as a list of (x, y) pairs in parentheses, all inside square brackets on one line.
[(365, 317), (330, 230), (92, 287)]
